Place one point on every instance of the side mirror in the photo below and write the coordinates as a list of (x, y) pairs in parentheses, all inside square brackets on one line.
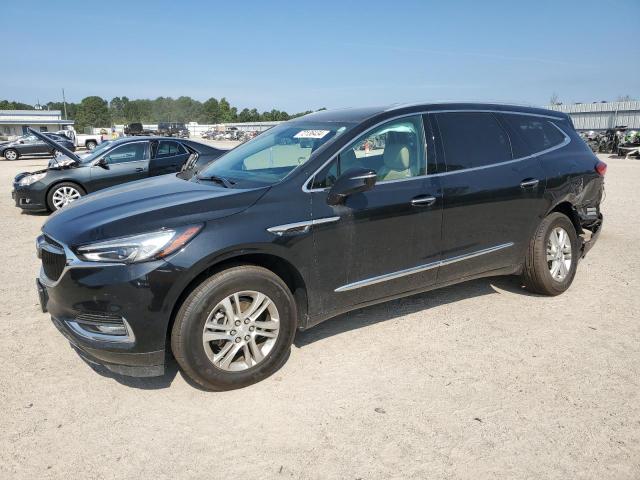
[(21, 141), (103, 163), (352, 181)]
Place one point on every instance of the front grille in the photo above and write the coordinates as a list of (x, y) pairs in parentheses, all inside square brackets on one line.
[(53, 264), (51, 241)]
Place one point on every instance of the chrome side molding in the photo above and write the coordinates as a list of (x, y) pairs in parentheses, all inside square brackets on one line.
[(420, 268), (299, 228)]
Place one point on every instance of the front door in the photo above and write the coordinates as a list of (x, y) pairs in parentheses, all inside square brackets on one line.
[(385, 241), (492, 195), (123, 163)]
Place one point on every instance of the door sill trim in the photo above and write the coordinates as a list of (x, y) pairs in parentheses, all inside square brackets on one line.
[(420, 268)]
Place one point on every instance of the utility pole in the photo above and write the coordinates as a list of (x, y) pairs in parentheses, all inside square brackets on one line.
[(64, 103)]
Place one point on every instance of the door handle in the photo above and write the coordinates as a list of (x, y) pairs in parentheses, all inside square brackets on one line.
[(423, 201), (529, 183), (139, 169)]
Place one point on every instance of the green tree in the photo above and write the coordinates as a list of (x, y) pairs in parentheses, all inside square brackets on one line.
[(92, 112), (210, 111), (8, 105), (227, 113), (117, 109)]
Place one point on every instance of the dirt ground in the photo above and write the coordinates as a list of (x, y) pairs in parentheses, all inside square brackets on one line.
[(479, 380)]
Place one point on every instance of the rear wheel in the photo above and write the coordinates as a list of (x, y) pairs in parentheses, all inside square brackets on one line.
[(234, 329), (63, 194), (552, 257), (91, 144), (11, 154)]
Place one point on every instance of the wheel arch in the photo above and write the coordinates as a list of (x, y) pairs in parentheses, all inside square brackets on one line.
[(276, 264), (10, 148), (568, 209), (58, 182)]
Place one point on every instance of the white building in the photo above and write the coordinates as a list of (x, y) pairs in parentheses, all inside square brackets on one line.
[(15, 122), (602, 115)]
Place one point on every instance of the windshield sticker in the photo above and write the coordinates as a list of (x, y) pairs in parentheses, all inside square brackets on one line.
[(311, 133)]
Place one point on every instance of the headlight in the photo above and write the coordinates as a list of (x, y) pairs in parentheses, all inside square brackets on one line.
[(138, 248), (29, 179)]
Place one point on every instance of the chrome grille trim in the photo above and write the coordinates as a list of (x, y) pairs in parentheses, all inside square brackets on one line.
[(71, 260)]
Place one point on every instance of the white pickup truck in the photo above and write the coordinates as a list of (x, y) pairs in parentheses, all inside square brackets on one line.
[(85, 140)]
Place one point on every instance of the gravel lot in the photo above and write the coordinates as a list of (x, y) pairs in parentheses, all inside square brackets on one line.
[(479, 380)]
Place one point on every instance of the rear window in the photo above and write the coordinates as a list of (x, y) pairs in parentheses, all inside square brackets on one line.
[(472, 139), (537, 133)]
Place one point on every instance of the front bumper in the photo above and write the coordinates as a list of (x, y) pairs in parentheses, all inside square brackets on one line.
[(27, 199), (88, 297)]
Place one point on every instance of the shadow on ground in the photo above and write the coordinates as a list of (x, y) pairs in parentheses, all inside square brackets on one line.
[(383, 312), (361, 318)]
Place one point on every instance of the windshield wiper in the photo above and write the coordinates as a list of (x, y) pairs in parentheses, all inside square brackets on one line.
[(225, 182)]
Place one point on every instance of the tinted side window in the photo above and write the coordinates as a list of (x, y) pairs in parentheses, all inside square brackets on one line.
[(472, 139), (538, 133), (168, 149), (131, 152)]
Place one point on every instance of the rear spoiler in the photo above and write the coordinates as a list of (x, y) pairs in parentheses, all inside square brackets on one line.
[(54, 144)]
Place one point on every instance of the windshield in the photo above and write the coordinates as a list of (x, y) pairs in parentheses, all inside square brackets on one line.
[(96, 152), (273, 154)]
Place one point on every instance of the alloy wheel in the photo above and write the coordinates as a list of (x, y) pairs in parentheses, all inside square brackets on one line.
[(64, 196), (241, 330), (559, 255), (10, 155)]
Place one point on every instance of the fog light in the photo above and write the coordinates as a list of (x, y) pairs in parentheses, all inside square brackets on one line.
[(112, 329)]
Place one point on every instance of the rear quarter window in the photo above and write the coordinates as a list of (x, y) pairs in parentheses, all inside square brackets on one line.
[(537, 133)]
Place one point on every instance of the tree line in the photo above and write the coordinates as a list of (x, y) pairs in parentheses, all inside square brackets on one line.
[(95, 111)]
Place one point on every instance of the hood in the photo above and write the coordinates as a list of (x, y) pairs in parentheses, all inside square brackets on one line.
[(61, 148), (146, 205)]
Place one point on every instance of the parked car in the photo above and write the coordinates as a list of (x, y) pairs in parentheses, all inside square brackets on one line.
[(83, 140), (30, 145), (172, 129), (137, 129), (275, 236), (131, 158)]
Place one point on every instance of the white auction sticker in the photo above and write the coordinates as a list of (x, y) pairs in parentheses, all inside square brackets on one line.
[(311, 133)]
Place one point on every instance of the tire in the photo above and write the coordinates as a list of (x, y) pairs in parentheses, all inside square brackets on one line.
[(63, 188), (91, 144), (196, 356), (538, 269), (11, 154)]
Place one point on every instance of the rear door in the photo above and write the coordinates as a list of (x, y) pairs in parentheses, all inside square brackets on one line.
[(124, 163), (168, 157), (493, 194)]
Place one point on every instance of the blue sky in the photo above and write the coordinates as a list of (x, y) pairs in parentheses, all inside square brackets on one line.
[(302, 55)]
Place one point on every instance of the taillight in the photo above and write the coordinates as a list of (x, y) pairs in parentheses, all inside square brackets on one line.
[(601, 168)]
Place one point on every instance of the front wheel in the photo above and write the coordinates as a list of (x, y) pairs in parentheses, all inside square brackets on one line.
[(91, 144), (552, 257), (234, 329), (11, 154), (63, 194)]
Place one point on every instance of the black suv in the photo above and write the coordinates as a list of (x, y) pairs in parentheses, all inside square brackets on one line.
[(173, 129), (315, 217)]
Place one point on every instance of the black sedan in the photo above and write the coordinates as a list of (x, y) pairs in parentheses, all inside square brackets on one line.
[(31, 145), (70, 176)]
